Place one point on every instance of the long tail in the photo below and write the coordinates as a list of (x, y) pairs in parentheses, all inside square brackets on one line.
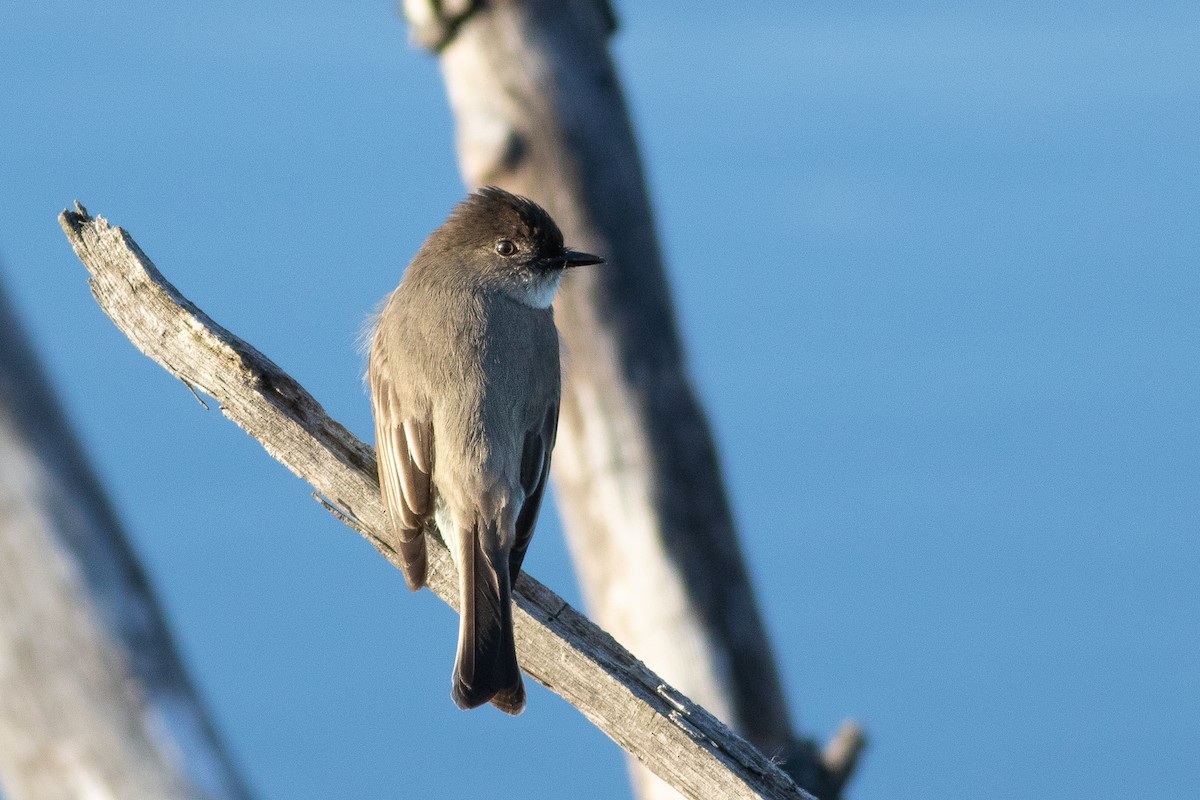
[(486, 668)]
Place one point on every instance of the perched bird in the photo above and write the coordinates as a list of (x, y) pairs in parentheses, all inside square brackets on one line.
[(464, 378)]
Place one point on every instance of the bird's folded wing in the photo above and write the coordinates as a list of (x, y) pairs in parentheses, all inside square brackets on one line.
[(535, 472), (404, 449)]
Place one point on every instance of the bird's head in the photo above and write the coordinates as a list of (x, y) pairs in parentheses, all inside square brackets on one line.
[(510, 242)]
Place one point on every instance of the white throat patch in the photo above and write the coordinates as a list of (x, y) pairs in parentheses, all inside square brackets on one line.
[(539, 293)]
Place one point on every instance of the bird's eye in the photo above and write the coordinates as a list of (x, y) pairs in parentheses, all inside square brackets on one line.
[(505, 248)]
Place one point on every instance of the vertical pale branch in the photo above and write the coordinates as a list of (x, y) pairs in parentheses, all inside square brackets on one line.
[(94, 701), (539, 111)]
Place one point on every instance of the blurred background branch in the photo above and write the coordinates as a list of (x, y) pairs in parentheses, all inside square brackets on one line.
[(540, 112), (94, 700)]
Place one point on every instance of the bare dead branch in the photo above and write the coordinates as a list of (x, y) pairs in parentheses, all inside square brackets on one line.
[(679, 741)]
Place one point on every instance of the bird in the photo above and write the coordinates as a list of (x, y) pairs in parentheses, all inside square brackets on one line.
[(465, 385)]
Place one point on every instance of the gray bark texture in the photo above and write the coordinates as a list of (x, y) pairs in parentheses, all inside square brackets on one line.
[(94, 701), (539, 112), (681, 742)]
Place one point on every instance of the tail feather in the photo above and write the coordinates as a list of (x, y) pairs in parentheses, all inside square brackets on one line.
[(486, 668)]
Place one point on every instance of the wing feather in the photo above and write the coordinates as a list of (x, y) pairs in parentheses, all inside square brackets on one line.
[(404, 452), (535, 472), (420, 444)]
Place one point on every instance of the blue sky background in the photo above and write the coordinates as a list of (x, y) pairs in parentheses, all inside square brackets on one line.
[(936, 265)]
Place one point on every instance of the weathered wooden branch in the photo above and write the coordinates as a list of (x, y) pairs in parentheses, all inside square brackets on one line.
[(94, 701), (539, 111), (678, 740)]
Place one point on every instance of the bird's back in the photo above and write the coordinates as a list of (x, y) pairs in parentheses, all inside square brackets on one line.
[(502, 358)]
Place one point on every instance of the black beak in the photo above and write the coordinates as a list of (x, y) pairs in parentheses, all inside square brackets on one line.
[(573, 258)]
